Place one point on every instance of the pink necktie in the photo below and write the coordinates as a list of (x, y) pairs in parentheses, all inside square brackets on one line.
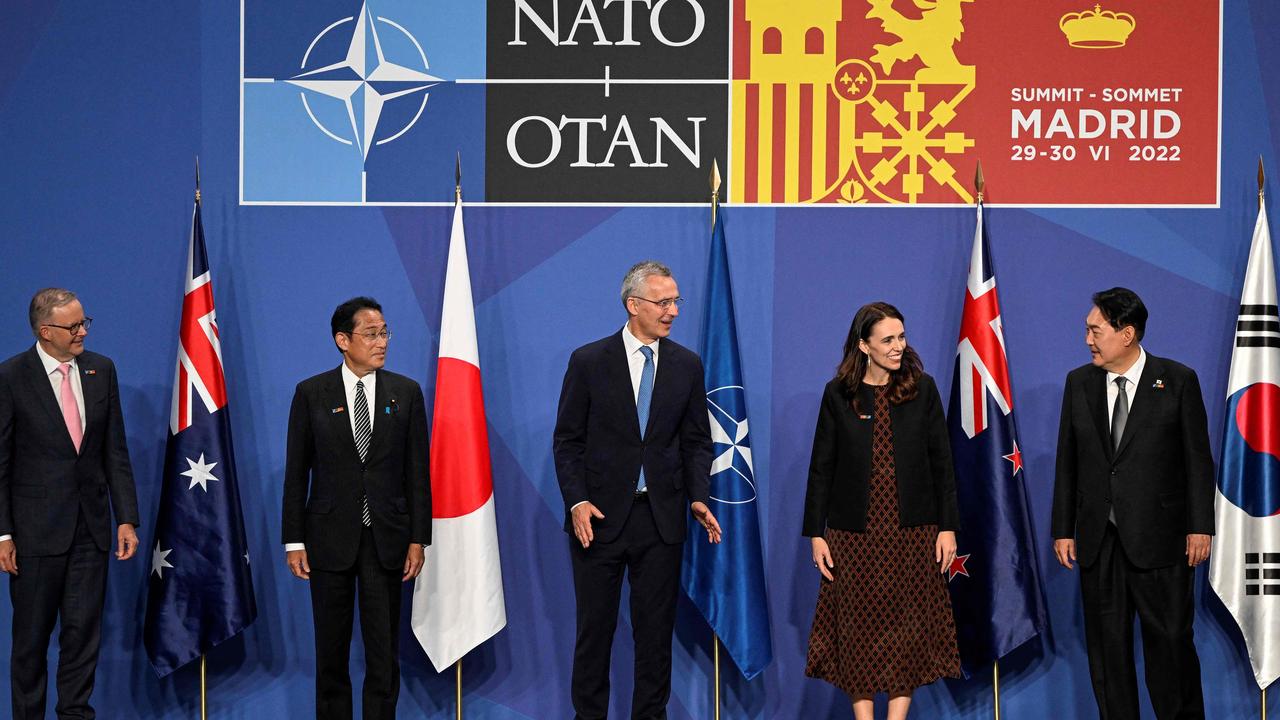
[(70, 411)]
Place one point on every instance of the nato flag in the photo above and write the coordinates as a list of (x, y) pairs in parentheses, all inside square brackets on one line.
[(200, 592), (726, 581)]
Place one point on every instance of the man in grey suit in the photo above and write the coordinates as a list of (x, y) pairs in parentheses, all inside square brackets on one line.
[(64, 467)]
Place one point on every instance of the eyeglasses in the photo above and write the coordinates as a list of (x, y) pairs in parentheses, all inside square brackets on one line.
[(374, 335), (74, 328), (665, 303)]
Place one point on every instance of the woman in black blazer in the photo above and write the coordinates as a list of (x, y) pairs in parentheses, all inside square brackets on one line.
[(881, 514)]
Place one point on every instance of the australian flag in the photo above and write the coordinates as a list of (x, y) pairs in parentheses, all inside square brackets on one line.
[(200, 590), (995, 585), (726, 581)]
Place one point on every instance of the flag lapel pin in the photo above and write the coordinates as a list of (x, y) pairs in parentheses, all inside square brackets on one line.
[(1158, 384), (338, 409), (90, 372)]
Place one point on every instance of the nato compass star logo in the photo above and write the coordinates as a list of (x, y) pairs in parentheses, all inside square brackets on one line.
[(732, 477), (364, 81)]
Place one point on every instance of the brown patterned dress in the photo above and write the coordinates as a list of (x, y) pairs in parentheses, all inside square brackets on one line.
[(885, 623)]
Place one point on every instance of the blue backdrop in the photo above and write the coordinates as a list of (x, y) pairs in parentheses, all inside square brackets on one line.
[(103, 107)]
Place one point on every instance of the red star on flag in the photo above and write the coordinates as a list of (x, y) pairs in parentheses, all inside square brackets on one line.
[(1015, 457), (957, 567)]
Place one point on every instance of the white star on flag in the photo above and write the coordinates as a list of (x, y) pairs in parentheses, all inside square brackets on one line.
[(158, 562), (199, 473), (720, 435)]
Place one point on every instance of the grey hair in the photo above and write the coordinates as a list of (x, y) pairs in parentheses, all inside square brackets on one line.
[(633, 281), (43, 303)]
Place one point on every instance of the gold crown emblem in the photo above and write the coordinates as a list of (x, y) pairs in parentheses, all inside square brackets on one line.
[(1097, 28)]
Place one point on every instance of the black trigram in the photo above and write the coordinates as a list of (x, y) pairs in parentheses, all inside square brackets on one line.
[(1258, 326), (1262, 573)]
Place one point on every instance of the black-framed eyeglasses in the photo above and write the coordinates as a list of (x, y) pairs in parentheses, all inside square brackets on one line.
[(74, 328), (664, 303), (374, 335)]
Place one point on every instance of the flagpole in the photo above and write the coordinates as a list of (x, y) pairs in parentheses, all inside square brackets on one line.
[(980, 184), (204, 712), (715, 637), (1262, 177), (457, 195)]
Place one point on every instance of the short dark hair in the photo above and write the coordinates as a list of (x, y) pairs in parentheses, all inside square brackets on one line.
[(1122, 307), (43, 303), (344, 317)]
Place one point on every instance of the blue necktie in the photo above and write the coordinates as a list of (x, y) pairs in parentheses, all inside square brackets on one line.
[(643, 399)]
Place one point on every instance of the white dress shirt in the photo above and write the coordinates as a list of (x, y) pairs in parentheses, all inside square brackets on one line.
[(55, 381), (1132, 376), (349, 380)]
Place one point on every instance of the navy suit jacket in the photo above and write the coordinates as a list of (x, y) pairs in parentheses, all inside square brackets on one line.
[(44, 482), (324, 477), (1160, 479), (599, 446)]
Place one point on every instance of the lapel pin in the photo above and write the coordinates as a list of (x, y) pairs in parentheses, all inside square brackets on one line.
[(1158, 384), (338, 409), (393, 407), (90, 372), (864, 417)]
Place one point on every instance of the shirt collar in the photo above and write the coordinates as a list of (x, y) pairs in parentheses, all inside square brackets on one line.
[(1134, 373), (349, 379), (633, 344), (50, 363)]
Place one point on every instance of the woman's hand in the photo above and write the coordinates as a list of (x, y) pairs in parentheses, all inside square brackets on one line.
[(822, 557), (944, 550)]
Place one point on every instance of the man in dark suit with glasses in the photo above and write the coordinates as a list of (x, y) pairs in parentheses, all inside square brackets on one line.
[(357, 507), (64, 467), (633, 454)]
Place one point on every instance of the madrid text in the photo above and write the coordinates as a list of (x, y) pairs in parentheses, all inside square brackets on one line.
[(1110, 116)]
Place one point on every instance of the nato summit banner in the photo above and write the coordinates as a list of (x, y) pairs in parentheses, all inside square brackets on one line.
[(829, 101)]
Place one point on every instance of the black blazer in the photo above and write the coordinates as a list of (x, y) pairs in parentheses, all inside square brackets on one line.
[(44, 483), (1160, 481), (324, 478), (840, 466), (599, 448)]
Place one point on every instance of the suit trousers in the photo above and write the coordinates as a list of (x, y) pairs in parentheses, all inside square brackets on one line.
[(1113, 590), (69, 588), (653, 567), (333, 601)]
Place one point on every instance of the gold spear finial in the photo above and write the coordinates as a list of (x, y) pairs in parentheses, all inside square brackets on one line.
[(715, 178), (978, 182), (197, 179)]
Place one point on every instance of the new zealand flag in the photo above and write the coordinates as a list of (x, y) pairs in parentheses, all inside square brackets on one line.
[(200, 590), (995, 586)]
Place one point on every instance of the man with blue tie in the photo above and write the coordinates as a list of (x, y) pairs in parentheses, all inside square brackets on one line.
[(633, 453), (64, 469)]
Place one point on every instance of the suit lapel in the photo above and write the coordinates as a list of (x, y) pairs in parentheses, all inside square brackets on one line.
[(335, 396), (381, 402), (619, 381), (663, 381), (1141, 400), (1095, 390), (94, 390), (38, 386)]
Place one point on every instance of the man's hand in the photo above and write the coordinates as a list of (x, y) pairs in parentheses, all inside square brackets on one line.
[(298, 565), (944, 550), (126, 542), (1198, 548), (413, 561), (708, 521), (581, 515), (822, 557), (9, 557), (1065, 549)]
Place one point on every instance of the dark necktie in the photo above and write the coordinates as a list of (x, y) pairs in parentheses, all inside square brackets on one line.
[(1119, 416), (364, 432)]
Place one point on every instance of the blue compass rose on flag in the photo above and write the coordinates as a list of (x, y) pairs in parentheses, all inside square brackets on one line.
[(732, 476)]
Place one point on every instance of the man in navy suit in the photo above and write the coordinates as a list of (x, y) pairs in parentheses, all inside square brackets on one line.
[(357, 507), (64, 467), (633, 456), (1133, 503)]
